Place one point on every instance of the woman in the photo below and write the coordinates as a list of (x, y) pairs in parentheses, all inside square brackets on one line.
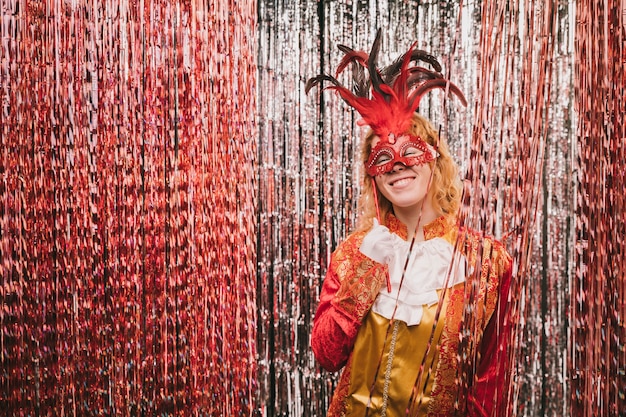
[(397, 291)]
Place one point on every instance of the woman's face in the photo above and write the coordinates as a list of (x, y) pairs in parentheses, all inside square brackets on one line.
[(404, 186)]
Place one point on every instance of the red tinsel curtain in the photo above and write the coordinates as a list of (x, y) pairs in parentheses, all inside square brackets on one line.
[(127, 208), (597, 359)]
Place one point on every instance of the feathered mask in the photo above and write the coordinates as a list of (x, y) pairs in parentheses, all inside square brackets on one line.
[(396, 90)]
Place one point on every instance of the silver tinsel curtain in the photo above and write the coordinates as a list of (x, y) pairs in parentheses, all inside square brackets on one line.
[(169, 197)]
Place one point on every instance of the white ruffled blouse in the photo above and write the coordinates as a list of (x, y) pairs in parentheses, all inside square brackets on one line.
[(426, 273)]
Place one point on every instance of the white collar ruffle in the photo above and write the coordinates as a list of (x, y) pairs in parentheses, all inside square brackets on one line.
[(426, 273)]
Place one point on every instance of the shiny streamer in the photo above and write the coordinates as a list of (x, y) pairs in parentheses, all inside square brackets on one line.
[(508, 170), (597, 357), (520, 147), (127, 250)]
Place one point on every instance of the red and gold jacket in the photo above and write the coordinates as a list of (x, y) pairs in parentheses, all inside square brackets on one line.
[(347, 334)]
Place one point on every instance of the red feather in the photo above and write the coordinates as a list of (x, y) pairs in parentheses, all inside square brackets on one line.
[(391, 107)]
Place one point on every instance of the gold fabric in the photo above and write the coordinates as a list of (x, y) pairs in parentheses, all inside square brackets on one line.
[(376, 336)]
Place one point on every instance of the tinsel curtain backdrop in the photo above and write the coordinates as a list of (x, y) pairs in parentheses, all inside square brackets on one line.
[(169, 197)]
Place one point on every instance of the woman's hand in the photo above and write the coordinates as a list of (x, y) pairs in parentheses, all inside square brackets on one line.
[(378, 244)]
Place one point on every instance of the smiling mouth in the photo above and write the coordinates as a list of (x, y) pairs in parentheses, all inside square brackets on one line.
[(401, 181)]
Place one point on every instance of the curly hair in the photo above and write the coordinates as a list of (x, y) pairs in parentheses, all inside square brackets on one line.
[(445, 187)]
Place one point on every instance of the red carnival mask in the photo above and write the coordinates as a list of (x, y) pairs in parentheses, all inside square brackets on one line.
[(407, 150)]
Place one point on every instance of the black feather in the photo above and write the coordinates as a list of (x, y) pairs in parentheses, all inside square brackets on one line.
[(314, 81), (375, 77), (391, 71), (360, 82)]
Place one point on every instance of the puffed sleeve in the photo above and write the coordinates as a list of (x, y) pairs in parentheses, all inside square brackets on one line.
[(489, 393), (350, 287)]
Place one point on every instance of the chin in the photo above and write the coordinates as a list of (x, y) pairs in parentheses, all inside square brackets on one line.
[(408, 204)]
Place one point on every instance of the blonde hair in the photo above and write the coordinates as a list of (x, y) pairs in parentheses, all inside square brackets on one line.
[(445, 187)]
